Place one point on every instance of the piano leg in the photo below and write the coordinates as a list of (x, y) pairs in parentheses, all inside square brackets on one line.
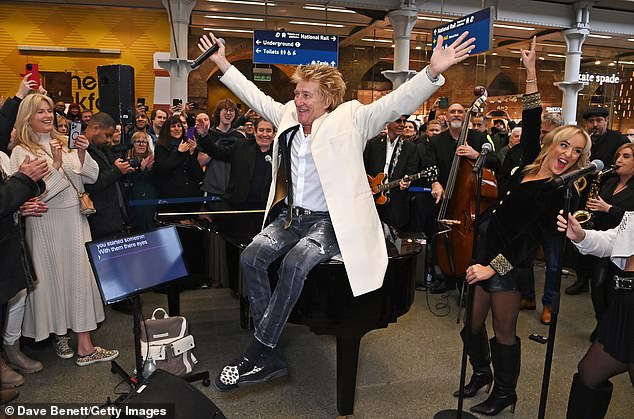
[(347, 360)]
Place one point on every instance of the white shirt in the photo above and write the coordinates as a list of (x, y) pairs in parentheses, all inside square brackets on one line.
[(389, 150), (307, 190)]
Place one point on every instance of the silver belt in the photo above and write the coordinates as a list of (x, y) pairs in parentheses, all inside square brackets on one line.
[(298, 211), (621, 283)]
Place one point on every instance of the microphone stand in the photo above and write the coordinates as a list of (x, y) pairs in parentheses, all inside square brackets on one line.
[(469, 292), (552, 329)]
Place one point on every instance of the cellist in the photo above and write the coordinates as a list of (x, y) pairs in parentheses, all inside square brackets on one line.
[(440, 153)]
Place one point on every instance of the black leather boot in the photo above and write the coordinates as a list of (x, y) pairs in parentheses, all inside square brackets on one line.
[(588, 403), (506, 370), (480, 359)]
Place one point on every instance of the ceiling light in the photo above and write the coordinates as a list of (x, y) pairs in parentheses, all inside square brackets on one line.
[(329, 25), (328, 9), (512, 51), (494, 53), (626, 62), (630, 39), (597, 62), (419, 47), (520, 28), (250, 3), (413, 32), (252, 19), (556, 55), (542, 58), (592, 35), (386, 41), (228, 30), (550, 45), (435, 19), (612, 64)]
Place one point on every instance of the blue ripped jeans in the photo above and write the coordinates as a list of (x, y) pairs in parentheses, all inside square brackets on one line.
[(308, 241)]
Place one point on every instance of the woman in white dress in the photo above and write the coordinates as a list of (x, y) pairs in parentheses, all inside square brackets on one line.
[(65, 294)]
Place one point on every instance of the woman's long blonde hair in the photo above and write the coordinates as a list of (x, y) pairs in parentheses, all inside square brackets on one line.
[(554, 137), (24, 134)]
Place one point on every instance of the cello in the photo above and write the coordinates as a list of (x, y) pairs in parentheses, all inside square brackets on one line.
[(456, 217)]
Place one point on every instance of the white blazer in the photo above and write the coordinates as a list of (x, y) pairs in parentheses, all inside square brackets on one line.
[(338, 140), (618, 242)]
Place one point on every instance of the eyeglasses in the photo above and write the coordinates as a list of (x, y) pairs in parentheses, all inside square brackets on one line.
[(139, 142), (229, 110)]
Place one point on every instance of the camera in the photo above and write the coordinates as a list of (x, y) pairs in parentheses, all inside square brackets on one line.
[(134, 162)]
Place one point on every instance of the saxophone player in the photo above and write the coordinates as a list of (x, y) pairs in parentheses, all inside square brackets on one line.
[(605, 142)]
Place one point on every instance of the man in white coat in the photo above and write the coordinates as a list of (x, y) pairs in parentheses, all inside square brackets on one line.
[(328, 209)]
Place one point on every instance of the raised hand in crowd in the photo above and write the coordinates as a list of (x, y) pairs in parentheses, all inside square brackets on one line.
[(528, 60), (123, 166), (33, 208), (56, 153), (36, 168), (192, 145), (25, 87)]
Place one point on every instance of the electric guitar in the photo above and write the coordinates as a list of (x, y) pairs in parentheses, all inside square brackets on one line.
[(379, 187)]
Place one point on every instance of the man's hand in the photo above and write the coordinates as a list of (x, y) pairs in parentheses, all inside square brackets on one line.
[(123, 166), (26, 86), (443, 58), (33, 208), (437, 191), (467, 151), (36, 169), (218, 58), (571, 226), (404, 183)]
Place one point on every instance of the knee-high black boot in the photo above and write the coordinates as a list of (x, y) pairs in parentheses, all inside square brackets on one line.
[(588, 403), (480, 359), (506, 370)]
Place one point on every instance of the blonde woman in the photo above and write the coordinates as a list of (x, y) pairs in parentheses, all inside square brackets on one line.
[(65, 295), (143, 182)]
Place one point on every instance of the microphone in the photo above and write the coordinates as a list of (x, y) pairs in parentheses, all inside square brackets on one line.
[(594, 166), (486, 148), (202, 57)]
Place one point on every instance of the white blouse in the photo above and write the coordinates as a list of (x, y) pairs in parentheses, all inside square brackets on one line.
[(618, 243)]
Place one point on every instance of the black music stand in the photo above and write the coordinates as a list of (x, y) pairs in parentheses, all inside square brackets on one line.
[(126, 267), (468, 290)]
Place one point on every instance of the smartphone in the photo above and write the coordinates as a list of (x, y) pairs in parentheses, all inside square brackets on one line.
[(74, 130), (443, 103), (140, 100), (176, 102), (191, 131), (35, 74)]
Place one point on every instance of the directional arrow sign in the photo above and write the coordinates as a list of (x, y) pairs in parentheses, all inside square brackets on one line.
[(294, 48)]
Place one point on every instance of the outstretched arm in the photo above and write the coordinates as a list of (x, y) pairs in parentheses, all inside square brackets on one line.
[(443, 58), (205, 42)]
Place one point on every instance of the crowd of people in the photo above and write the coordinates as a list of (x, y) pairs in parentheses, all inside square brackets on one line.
[(312, 182)]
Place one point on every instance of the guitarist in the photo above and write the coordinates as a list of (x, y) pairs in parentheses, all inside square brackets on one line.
[(396, 157)]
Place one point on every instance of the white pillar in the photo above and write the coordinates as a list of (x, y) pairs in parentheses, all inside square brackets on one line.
[(178, 65), (571, 85), (402, 20)]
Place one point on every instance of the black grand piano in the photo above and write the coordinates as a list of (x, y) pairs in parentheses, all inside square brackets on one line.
[(327, 305)]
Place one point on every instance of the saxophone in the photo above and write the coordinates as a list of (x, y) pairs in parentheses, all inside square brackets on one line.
[(584, 216)]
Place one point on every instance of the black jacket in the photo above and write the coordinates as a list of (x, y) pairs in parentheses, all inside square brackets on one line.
[(106, 195), (16, 273), (604, 148), (396, 211), (243, 154), (442, 148), (178, 176), (8, 114)]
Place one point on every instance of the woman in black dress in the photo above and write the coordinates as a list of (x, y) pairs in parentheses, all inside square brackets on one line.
[(510, 234), (612, 352), (616, 197)]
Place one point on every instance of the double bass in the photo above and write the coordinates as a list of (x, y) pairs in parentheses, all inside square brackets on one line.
[(457, 214)]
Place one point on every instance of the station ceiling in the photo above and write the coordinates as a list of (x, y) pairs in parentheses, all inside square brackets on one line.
[(365, 24)]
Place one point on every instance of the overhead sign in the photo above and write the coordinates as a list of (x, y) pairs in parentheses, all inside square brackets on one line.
[(479, 25), (295, 48)]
